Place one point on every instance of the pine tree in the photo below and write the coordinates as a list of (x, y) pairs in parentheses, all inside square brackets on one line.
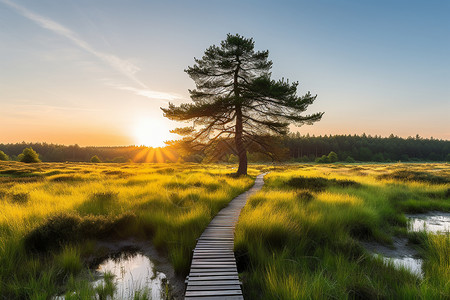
[(236, 97)]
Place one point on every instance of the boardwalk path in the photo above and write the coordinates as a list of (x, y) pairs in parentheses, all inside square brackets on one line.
[(213, 272)]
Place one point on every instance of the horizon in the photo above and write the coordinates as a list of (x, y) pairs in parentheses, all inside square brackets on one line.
[(301, 136), (96, 74)]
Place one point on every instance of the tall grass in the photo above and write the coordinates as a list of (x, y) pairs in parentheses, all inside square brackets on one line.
[(52, 214), (299, 237)]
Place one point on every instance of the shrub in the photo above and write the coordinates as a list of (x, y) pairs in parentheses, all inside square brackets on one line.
[(311, 183), (3, 156), (61, 229), (233, 159), (20, 198), (350, 159), (406, 175), (95, 159), (332, 157), (317, 184), (323, 160), (29, 156)]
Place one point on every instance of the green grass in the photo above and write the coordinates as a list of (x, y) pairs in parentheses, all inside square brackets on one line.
[(49, 225), (299, 238)]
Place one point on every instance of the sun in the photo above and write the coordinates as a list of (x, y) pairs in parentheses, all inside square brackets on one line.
[(150, 132)]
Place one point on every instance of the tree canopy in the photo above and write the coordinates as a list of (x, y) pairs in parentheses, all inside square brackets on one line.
[(235, 97), (29, 156), (95, 159), (3, 156)]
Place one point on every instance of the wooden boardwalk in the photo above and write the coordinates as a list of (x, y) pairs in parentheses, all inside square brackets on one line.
[(213, 273)]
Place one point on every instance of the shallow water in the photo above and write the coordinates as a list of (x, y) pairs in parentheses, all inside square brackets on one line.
[(400, 255), (435, 222), (412, 264), (404, 256), (133, 273)]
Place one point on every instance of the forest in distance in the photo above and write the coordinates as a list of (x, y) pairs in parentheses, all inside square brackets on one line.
[(294, 147)]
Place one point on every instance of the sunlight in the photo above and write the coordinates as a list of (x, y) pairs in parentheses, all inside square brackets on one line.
[(150, 132)]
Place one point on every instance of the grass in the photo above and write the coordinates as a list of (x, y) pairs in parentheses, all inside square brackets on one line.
[(53, 214), (299, 237)]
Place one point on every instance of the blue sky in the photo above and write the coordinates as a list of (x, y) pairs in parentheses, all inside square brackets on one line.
[(96, 72)]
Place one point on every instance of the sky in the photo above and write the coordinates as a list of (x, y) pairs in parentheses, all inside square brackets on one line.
[(97, 72)]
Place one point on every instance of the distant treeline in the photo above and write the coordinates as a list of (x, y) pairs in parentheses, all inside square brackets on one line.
[(367, 148), (297, 148), (75, 153)]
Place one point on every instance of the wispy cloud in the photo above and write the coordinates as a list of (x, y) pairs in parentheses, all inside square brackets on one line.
[(124, 67), (162, 96)]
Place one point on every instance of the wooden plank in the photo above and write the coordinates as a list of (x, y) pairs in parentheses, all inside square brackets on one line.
[(213, 258), (206, 262), (206, 255), (228, 252), (216, 261), (213, 273), (223, 297), (213, 293), (194, 274), (213, 282), (214, 251), (211, 270), (225, 277), (215, 254), (212, 287), (210, 266)]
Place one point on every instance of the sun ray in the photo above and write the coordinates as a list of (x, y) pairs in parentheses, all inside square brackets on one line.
[(140, 155)]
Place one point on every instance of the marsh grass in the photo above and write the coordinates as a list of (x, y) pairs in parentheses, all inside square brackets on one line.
[(69, 260), (20, 198), (299, 237), (49, 229)]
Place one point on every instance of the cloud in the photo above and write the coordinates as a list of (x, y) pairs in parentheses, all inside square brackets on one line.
[(162, 96), (124, 67)]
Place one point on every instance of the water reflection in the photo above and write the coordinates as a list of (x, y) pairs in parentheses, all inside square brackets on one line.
[(412, 264), (435, 222), (133, 274), (402, 255)]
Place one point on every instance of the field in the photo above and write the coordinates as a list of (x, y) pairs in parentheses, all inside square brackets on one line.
[(300, 236), (52, 215), (297, 238)]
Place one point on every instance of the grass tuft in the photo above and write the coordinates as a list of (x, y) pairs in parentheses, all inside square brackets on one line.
[(69, 227)]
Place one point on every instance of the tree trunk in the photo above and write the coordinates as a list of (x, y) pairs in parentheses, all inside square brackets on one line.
[(242, 153)]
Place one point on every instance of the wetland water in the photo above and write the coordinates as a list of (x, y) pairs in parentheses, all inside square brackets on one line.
[(435, 222), (401, 255), (137, 268), (134, 273)]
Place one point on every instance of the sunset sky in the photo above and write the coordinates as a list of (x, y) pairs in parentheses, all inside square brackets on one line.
[(97, 72)]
